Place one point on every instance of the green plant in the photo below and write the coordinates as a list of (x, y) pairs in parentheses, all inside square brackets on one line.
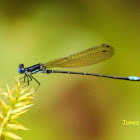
[(20, 100)]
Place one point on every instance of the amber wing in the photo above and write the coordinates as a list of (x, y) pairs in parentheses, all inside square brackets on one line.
[(85, 58)]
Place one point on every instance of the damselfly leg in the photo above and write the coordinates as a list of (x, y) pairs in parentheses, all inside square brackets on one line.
[(28, 78), (25, 77)]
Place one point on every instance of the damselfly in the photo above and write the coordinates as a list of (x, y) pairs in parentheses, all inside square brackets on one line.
[(85, 58)]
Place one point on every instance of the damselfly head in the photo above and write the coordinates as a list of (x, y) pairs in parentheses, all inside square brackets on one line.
[(21, 68)]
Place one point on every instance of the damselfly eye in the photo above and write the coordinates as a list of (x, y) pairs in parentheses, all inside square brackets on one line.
[(21, 66)]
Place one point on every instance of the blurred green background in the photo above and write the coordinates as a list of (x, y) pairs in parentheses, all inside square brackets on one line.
[(72, 107)]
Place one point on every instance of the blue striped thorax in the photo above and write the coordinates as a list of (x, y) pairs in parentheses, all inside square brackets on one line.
[(34, 68)]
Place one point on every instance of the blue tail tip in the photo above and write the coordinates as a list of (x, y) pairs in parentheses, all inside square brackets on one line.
[(134, 78)]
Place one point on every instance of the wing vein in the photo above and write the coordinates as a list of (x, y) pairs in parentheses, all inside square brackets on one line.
[(85, 58)]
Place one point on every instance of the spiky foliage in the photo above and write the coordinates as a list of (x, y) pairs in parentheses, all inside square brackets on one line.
[(20, 100)]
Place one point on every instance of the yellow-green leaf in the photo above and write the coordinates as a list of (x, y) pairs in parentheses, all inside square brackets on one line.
[(23, 97), (20, 109), (15, 116), (16, 127), (5, 107), (28, 98), (3, 104), (23, 90), (10, 94), (11, 135), (4, 93), (23, 103)]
